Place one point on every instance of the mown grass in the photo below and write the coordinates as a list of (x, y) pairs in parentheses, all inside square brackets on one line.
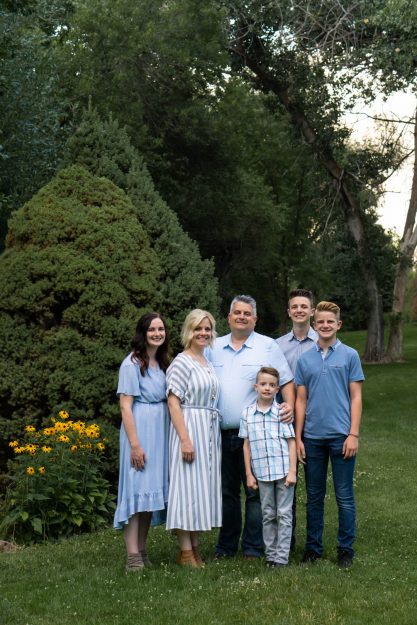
[(82, 581)]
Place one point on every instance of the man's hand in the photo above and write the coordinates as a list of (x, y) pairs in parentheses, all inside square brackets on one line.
[(286, 412)]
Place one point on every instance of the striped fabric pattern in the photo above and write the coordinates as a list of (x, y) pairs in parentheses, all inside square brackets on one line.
[(194, 499)]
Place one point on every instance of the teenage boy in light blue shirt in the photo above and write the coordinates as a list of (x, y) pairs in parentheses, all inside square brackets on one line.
[(270, 465), (328, 414), (294, 344)]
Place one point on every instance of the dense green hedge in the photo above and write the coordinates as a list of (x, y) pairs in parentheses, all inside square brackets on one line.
[(77, 272)]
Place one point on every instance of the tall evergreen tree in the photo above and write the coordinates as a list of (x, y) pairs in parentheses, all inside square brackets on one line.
[(76, 274), (187, 281)]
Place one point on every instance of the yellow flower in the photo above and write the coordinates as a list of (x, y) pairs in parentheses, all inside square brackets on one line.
[(63, 438), (31, 448), (46, 449), (30, 470), (14, 444), (41, 469), (74, 448), (63, 414), (100, 446), (49, 431), (19, 450), (92, 432), (30, 428)]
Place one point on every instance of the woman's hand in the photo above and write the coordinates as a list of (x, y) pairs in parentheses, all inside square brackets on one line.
[(137, 457), (187, 450)]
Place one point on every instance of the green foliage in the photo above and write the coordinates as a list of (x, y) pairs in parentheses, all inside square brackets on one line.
[(186, 280), (76, 274), (57, 488)]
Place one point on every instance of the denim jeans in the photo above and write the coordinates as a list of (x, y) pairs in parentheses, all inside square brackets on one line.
[(233, 476), (276, 504), (318, 452)]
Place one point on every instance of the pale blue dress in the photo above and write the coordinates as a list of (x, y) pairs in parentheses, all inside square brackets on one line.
[(147, 490)]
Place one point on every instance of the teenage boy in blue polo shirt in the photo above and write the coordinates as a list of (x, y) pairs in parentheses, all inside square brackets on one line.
[(328, 414)]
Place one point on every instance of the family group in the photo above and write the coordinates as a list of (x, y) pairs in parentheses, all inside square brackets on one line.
[(241, 409)]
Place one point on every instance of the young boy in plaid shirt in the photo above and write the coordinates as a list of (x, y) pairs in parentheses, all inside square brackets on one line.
[(270, 464)]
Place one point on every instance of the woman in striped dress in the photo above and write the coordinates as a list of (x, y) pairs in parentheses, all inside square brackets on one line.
[(194, 499)]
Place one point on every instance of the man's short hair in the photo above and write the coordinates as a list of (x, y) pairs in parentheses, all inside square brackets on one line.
[(328, 307), (245, 299), (301, 293), (270, 371)]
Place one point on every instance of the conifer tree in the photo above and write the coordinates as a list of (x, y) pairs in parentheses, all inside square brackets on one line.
[(77, 273), (187, 281)]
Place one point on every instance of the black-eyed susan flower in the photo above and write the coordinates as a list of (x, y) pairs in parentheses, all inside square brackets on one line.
[(19, 450), (14, 444), (30, 428), (100, 446), (63, 414), (30, 471), (46, 449), (42, 470), (74, 448), (63, 438)]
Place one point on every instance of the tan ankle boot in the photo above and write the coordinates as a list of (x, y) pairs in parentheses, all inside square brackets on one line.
[(186, 558)]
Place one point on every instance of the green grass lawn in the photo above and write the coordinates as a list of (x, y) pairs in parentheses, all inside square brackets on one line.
[(82, 581)]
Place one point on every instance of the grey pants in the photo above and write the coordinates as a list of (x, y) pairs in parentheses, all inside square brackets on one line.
[(276, 503)]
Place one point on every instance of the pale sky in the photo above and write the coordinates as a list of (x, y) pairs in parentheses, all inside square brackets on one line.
[(394, 204)]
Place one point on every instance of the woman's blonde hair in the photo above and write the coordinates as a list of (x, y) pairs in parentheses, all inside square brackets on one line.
[(192, 321)]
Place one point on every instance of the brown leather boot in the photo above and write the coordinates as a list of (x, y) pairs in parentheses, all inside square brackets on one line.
[(186, 558), (197, 557)]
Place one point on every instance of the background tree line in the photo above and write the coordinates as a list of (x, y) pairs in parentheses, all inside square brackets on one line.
[(220, 125)]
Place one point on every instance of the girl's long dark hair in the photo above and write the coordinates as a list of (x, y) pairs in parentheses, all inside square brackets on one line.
[(138, 344)]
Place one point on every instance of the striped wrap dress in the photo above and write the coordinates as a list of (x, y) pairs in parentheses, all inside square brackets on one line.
[(194, 498)]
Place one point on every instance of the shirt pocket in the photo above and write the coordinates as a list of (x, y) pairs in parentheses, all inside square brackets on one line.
[(249, 371)]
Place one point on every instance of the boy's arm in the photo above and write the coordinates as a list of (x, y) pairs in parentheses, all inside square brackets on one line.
[(300, 415), (250, 478), (291, 478), (350, 446)]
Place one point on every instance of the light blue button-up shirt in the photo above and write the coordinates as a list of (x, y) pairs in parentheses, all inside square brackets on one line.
[(237, 369), (293, 348)]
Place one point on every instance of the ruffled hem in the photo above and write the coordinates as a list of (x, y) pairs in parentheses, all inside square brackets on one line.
[(143, 502)]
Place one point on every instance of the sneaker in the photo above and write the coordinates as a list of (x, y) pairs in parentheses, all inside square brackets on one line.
[(344, 559), (310, 557), (275, 565)]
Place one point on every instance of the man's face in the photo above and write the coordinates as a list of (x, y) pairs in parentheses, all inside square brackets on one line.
[(241, 319), (300, 309), (326, 325)]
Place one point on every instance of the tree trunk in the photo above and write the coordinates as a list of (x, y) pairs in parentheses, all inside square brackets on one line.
[(407, 247), (374, 350)]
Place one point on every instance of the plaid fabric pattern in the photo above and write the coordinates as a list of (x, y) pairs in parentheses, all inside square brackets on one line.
[(268, 441)]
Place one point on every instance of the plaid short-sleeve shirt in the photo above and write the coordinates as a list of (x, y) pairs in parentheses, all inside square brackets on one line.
[(267, 437)]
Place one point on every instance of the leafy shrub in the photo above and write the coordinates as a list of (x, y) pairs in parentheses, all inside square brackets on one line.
[(77, 273), (56, 485)]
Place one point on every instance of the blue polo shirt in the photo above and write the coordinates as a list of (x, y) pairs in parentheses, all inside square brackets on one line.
[(236, 371), (293, 348), (327, 382)]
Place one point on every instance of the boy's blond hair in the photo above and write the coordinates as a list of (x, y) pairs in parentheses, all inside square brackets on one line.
[(328, 307)]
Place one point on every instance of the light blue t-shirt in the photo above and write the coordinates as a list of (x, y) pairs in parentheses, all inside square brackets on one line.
[(327, 382), (293, 348), (237, 369)]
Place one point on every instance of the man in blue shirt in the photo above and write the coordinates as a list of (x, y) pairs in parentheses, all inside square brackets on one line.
[(237, 358), (294, 344), (328, 414)]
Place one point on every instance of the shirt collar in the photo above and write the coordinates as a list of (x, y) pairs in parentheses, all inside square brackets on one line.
[(311, 334), (273, 408), (333, 346), (248, 343)]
